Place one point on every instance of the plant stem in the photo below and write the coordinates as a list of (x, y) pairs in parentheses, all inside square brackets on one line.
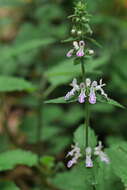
[(86, 123), (83, 71), (40, 115), (39, 126)]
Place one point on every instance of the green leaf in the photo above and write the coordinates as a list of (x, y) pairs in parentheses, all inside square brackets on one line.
[(8, 185), (79, 178), (16, 50), (68, 40), (12, 158), (29, 127), (60, 100), (8, 84), (105, 177), (80, 136), (118, 157), (47, 161), (109, 101), (94, 42), (66, 71)]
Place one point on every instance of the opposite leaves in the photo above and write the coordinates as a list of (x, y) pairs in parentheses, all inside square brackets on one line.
[(100, 99)]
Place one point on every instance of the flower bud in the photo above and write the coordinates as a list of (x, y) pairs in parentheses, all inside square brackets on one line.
[(91, 52), (73, 31), (79, 33)]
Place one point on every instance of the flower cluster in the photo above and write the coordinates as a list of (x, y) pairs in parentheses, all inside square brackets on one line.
[(78, 50), (75, 152), (102, 155), (89, 87), (97, 151)]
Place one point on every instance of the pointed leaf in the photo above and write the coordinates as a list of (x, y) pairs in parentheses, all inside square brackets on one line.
[(66, 71), (109, 101), (78, 178), (59, 100), (24, 47), (118, 157), (8, 84), (80, 137), (12, 158)]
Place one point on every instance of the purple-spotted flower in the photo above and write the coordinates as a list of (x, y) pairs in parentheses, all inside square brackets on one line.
[(86, 90), (102, 155), (82, 95), (78, 49), (75, 154), (88, 161)]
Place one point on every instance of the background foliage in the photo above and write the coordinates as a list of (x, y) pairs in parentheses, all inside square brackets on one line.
[(30, 48)]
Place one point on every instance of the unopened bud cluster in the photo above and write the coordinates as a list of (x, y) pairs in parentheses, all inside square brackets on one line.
[(80, 21)]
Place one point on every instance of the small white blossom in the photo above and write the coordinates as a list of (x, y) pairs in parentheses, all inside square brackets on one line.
[(76, 45), (75, 89), (99, 87), (75, 153), (82, 94), (80, 52), (102, 155), (70, 53), (88, 161)]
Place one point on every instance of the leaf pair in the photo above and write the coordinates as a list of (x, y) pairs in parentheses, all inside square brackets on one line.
[(100, 99)]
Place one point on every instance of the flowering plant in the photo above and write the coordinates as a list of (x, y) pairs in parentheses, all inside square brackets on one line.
[(87, 149)]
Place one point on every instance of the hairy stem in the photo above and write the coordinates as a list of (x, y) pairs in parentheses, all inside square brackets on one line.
[(86, 124)]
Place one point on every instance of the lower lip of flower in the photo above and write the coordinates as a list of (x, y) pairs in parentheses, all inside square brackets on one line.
[(80, 54), (92, 99)]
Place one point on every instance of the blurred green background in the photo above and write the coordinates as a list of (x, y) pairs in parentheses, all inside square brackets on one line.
[(31, 34)]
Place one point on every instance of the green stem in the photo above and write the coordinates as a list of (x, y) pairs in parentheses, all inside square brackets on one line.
[(40, 115), (86, 123), (83, 71), (39, 126)]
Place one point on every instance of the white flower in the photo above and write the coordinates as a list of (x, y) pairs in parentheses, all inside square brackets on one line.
[(75, 153), (74, 89), (82, 95), (99, 87), (102, 155), (88, 161)]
